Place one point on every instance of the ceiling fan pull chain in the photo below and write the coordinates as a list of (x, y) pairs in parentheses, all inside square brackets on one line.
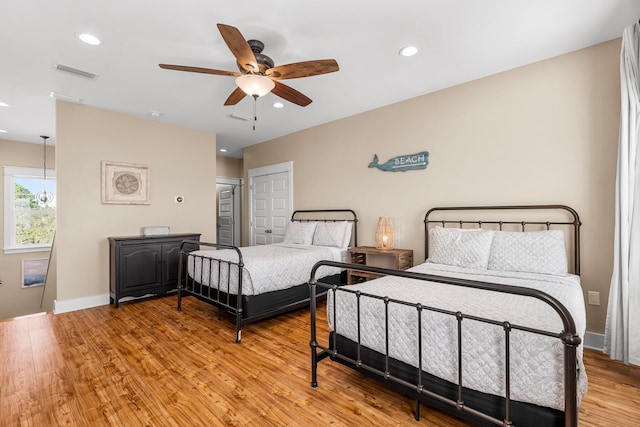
[(255, 114)]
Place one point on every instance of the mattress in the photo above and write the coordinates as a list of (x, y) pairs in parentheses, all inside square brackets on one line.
[(536, 361), (267, 268)]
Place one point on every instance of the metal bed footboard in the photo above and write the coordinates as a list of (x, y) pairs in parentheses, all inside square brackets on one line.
[(232, 303), (568, 336), (217, 294)]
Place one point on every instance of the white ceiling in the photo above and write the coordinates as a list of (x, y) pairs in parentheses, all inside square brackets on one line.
[(459, 41)]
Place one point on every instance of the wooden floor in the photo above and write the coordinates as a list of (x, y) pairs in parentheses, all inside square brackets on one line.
[(145, 364)]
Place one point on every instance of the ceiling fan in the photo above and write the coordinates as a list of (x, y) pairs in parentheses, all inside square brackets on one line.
[(257, 75)]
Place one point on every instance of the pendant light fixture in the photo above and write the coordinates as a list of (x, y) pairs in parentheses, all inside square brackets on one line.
[(43, 198)]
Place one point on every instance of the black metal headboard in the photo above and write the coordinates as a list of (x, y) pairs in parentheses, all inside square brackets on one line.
[(490, 214), (329, 215)]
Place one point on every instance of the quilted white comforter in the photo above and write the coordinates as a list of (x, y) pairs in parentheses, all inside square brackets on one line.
[(536, 361), (266, 267)]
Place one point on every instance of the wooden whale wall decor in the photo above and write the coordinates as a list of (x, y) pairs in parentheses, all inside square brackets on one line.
[(402, 163)]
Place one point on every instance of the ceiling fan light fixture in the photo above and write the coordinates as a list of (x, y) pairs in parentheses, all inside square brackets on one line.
[(255, 85)]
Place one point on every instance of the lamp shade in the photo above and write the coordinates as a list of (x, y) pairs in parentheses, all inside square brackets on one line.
[(255, 85), (384, 233)]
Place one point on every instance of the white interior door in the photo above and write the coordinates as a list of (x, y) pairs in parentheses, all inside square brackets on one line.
[(271, 203), (226, 214), (229, 194), (260, 211)]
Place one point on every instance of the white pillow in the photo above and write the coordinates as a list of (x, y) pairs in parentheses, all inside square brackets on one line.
[(531, 252), (330, 234), (347, 234), (460, 247), (300, 233)]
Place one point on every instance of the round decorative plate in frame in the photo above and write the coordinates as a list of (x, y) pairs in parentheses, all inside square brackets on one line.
[(125, 183)]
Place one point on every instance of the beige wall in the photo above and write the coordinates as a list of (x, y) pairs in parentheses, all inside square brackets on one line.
[(544, 133), (229, 167), (15, 301), (181, 162)]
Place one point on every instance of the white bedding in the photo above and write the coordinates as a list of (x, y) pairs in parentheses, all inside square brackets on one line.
[(536, 361), (266, 267)]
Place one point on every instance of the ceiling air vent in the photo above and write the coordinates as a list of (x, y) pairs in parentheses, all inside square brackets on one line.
[(76, 72), (240, 117)]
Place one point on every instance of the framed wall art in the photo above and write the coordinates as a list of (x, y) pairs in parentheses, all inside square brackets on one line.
[(402, 163), (125, 184), (34, 272)]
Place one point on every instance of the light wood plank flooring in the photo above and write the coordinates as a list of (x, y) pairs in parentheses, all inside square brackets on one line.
[(145, 364)]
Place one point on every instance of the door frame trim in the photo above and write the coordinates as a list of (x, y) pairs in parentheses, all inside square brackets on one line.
[(268, 170)]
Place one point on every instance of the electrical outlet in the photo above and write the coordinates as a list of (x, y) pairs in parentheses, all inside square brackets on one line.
[(594, 298), (178, 199)]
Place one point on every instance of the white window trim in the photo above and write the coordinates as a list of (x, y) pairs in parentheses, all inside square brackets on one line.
[(10, 172)]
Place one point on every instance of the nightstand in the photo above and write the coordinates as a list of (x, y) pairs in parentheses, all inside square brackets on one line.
[(397, 259)]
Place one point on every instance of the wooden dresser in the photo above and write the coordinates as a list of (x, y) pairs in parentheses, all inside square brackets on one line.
[(144, 265)]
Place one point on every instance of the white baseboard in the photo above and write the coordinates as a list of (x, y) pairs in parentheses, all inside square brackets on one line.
[(594, 341), (80, 303)]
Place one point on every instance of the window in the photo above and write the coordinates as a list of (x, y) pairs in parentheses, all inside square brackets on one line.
[(28, 227)]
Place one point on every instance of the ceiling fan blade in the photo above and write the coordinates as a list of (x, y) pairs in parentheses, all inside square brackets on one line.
[(239, 47), (235, 97), (303, 69), (290, 94), (199, 70)]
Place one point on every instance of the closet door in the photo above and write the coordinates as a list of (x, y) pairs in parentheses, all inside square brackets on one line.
[(271, 207)]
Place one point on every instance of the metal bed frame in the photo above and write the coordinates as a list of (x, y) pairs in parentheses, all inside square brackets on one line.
[(418, 385), (265, 305)]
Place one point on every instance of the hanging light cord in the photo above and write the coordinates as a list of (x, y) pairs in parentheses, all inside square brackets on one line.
[(44, 165)]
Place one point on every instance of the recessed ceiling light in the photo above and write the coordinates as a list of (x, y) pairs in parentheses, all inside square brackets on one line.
[(278, 105), (223, 150), (89, 39), (3, 131), (408, 51), (155, 114), (3, 104)]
